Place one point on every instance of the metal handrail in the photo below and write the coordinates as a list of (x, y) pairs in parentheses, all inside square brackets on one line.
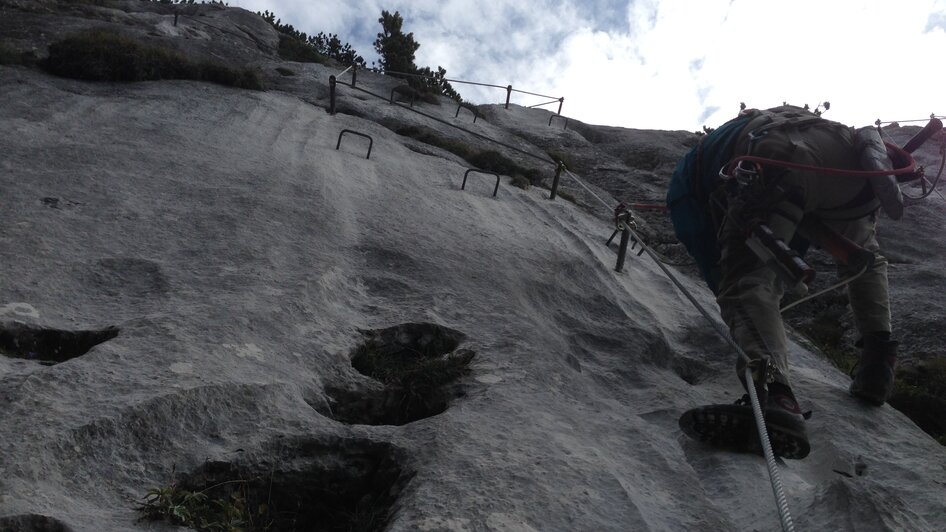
[(474, 110), (404, 89), (370, 140), (442, 121), (474, 170), (509, 89)]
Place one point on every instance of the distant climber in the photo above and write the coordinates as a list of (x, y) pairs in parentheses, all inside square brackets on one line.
[(745, 222)]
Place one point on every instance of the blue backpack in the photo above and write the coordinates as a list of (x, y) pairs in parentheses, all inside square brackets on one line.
[(694, 179)]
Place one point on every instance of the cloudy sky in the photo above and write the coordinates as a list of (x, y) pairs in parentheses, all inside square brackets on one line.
[(666, 64)]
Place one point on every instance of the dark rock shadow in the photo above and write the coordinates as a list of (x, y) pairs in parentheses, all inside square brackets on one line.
[(32, 523), (415, 367), (306, 485), (49, 346)]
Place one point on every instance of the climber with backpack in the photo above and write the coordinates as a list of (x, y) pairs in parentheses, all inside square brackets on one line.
[(746, 202)]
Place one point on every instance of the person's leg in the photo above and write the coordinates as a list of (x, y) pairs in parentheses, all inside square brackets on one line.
[(750, 292), (749, 298), (868, 294)]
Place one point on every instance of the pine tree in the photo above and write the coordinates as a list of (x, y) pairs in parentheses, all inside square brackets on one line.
[(396, 50), (396, 53)]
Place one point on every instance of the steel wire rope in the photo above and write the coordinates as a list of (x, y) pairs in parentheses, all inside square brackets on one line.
[(878, 122), (597, 197), (533, 94), (509, 87), (442, 121), (577, 180), (386, 72), (544, 103), (774, 476)]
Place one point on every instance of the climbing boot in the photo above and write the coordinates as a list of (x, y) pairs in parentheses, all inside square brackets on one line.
[(786, 422), (733, 427), (873, 375)]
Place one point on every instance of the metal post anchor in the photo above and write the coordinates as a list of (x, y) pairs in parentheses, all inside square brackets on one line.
[(558, 175), (331, 94)]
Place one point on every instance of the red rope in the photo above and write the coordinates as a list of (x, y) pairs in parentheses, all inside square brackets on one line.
[(652, 206), (899, 154)]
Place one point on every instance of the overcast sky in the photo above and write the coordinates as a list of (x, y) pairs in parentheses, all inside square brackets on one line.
[(666, 64)]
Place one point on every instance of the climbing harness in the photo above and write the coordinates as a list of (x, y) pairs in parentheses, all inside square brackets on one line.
[(744, 170)]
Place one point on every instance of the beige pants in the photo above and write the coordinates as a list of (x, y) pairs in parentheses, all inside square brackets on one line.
[(750, 292)]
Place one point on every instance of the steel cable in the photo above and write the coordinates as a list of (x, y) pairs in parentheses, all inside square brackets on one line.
[(775, 478), (442, 121)]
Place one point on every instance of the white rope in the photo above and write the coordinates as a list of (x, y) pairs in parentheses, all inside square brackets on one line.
[(826, 290)]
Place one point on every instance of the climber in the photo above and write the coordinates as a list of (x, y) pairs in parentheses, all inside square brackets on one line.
[(767, 200)]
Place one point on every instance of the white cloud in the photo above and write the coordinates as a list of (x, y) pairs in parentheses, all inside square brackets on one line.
[(667, 64)]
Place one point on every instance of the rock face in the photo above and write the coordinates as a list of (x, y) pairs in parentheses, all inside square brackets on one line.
[(209, 268)]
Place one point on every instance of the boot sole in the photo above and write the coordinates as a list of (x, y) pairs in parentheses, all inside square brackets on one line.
[(733, 428)]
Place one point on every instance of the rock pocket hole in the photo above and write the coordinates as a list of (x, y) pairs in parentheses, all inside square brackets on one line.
[(351, 486), (49, 346), (31, 523), (418, 366)]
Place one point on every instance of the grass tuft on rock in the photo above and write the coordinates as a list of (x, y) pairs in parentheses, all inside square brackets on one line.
[(293, 49), (520, 181), (225, 507), (920, 393), (919, 389), (8, 56), (416, 372), (429, 136), (488, 160), (102, 55)]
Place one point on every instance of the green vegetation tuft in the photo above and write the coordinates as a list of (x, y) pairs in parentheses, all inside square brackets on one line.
[(829, 338), (421, 372), (285, 71), (920, 393), (293, 49), (919, 390), (224, 507), (488, 160), (396, 54), (520, 181), (567, 196), (102, 55), (429, 136), (497, 162), (295, 45), (8, 56)]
